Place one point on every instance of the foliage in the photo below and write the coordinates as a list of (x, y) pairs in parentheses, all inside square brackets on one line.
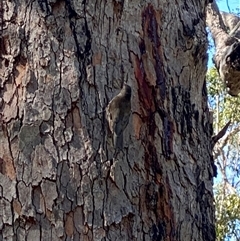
[(227, 157), (225, 106), (227, 213)]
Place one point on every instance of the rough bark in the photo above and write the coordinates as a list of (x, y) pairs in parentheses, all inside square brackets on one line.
[(225, 31), (61, 63)]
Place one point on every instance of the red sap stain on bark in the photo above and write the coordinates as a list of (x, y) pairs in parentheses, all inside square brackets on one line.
[(144, 90), (150, 30), (148, 67), (150, 77)]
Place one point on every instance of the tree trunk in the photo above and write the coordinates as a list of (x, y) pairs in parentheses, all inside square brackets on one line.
[(225, 31), (61, 179)]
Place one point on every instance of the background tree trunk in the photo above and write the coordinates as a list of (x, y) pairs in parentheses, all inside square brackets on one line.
[(61, 63), (225, 32)]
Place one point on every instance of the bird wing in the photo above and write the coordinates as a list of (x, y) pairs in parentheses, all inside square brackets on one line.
[(111, 115), (122, 120)]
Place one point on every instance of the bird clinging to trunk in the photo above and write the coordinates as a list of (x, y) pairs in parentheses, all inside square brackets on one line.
[(118, 113)]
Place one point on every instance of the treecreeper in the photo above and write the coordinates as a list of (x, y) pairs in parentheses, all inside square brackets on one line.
[(117, 113)]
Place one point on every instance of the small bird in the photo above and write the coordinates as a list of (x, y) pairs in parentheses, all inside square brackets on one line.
[(118, 113)]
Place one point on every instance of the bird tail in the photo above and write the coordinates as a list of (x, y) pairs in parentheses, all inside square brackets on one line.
[(118, 141)]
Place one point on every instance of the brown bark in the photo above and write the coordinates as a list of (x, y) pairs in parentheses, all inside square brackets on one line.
[(225, 31), (61, 63)]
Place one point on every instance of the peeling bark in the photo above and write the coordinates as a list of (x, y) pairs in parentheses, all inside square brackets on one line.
[(225, 31), (61, 63)]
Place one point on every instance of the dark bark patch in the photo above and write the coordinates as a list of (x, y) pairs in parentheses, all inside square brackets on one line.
[(142, 47), (4, 46), (118, 8), (188, 31), (168, 131), (168, 136), (151, 196), (44, 6), (32, 85), (2, 169), (196, 116), (183, 111), (152, 160), (233, 58), (208, 230), (29, 137), (158, 231), (82, 35)]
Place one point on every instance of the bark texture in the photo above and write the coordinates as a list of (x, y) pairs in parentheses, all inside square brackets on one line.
[(225, 29), (61, 63)]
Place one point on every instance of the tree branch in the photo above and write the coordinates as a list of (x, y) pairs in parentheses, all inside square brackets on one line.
[(224, 141), (231, 22), (227, 56), (220, 134)]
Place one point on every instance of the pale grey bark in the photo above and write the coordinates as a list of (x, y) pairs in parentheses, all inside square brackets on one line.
[(61, 63)]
